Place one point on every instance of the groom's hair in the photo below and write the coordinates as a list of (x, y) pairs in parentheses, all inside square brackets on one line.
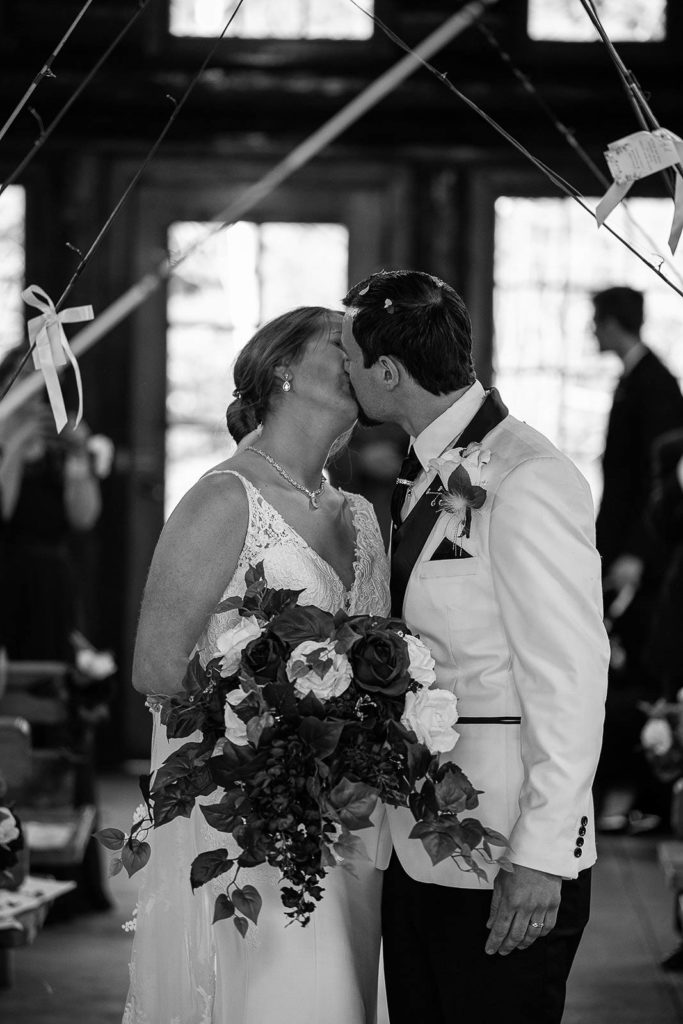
[(419, 320)]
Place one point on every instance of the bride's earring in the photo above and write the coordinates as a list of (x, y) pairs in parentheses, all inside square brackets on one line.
[(286, 377)]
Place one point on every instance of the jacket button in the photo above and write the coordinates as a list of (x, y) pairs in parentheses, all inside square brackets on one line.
[(584, 821), (582, 831), (578, 851), (580, 841)]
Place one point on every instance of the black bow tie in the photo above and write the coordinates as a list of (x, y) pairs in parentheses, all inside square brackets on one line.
[(409, 469)]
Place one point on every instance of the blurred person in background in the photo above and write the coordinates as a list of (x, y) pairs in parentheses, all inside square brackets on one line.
[(50, 496), (647, 403)]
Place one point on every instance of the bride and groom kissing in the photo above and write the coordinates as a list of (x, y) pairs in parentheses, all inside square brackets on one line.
[(493, 564)]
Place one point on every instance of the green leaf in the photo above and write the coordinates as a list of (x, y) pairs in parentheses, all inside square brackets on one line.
[(354, 803), (231, 604), (223, 908), (208, 865), (194, 679), (350, 848), (242, 925), (135, 855), (495, 838), (110, 838), (322, 737), (302, 622), (172, 802), (438, 844), (179, 764), (326, 857), (248, 902), (115, 865)]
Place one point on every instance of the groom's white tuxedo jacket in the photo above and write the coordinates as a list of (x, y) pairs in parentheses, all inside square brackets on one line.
[(517, 633)]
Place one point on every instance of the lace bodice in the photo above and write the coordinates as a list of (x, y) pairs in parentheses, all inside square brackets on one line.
[(289, 561)]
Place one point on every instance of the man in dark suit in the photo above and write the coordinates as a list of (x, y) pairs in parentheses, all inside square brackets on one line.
[(647, 403)]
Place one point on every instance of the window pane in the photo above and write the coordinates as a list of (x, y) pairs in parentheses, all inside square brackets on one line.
[(12, 215), (549, 259), (274, 19), (637, 21), (217, 298)]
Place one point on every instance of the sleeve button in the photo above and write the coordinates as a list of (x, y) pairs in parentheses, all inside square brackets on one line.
[(579, 842), (582, 831), (578, 851), (584, 821)]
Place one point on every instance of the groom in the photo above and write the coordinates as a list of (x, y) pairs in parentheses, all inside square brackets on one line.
[(501, 578)]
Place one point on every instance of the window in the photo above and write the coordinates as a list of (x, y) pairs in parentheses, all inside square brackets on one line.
[(272, 19), (636, 21), (244, 276), (549, 259), (12, 216)]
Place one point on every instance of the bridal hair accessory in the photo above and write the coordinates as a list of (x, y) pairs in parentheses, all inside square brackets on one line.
[(389, 306), (286, 386), (237, 393), (311, 495), (51, 349)]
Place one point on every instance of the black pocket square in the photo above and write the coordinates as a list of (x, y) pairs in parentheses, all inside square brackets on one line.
[(447, 550)]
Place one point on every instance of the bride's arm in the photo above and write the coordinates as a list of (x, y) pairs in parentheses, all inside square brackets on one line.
[(194, 560)]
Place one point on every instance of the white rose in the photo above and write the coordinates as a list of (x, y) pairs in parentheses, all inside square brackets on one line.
[(657, 736), (235, 728), (431, 714), (95, 664), (233, 640), (305, 672), (472, 459), (421, 667), (9, 830)]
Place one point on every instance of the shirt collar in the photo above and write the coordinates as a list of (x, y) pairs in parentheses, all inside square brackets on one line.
[(633, 357), (436, 437)]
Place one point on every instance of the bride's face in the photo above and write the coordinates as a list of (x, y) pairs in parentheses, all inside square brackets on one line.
[(319, 378)]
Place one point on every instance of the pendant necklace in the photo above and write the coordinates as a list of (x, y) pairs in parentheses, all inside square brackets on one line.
[(311, 495)]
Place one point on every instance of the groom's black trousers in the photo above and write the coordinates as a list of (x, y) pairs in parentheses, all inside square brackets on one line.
[(436, 969)]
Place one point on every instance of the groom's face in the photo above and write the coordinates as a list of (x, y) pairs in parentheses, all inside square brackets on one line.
[(364, 380)]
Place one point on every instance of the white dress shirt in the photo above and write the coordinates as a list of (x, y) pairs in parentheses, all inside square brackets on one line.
[(439, 435)]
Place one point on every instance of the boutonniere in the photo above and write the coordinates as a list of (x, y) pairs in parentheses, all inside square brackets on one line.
[(461, 470)]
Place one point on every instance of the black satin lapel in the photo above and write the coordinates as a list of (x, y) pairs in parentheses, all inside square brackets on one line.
[(408, 541)]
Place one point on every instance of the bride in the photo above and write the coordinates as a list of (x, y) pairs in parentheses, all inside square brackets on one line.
[(269, 503)]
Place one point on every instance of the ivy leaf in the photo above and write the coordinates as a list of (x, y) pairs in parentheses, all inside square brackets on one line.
[(223, 908), (172, 802), (322, 737), (115, 865), (354, 803), (495, 838), (231, 604), (241, 924), (179, 764), (248, 902), (208, 865), (194, 679), (350, 848), (110, 838), (327, 857), (438, 843), (135, 855)]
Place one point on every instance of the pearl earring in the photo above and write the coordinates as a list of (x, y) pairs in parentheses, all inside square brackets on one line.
[(286, 386)]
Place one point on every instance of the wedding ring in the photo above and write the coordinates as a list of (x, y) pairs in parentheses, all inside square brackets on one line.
[(535, 924)]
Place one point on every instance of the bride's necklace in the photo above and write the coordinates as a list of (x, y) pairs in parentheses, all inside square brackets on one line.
[(311, 495)]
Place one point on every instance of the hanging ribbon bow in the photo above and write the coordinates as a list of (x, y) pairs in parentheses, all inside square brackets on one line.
[(51, 349), (635, 157)]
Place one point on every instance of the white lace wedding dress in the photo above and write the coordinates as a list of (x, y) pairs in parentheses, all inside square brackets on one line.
[(186, 970)]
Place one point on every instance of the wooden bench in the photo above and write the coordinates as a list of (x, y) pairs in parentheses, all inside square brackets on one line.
[(22, 914)]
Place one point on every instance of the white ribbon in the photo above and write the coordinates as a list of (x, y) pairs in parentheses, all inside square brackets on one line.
[(635, 157), (51, 349)]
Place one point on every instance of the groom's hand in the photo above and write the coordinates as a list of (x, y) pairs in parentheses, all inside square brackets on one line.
[(520, 897)]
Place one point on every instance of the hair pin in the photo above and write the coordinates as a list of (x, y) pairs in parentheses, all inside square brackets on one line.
[(388, 305)]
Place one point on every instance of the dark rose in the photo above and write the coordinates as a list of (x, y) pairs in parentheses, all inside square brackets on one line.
[(263, 656), (380, 661)]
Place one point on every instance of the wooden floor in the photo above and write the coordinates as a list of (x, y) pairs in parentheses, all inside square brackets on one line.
[(77, 971)]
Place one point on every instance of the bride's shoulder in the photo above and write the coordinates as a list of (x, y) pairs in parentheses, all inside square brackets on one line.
[(220, 494)]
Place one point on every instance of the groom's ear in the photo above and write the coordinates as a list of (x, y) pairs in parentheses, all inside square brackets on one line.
[(391, 372)]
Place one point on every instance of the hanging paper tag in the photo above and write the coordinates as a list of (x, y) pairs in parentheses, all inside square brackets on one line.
[(637, 156), (51, 349)]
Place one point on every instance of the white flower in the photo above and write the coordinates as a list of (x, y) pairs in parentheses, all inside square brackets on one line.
[(9, 830), (431, 714), (316, 667), (235, 728), (235, 697), (421, 666), (233, 640), (657, 736), (95, 664), (472, 459)]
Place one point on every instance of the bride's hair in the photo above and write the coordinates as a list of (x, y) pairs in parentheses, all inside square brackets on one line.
[(280, 341)]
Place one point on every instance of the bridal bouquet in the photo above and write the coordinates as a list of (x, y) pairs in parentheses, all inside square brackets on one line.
[(306, 720)]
